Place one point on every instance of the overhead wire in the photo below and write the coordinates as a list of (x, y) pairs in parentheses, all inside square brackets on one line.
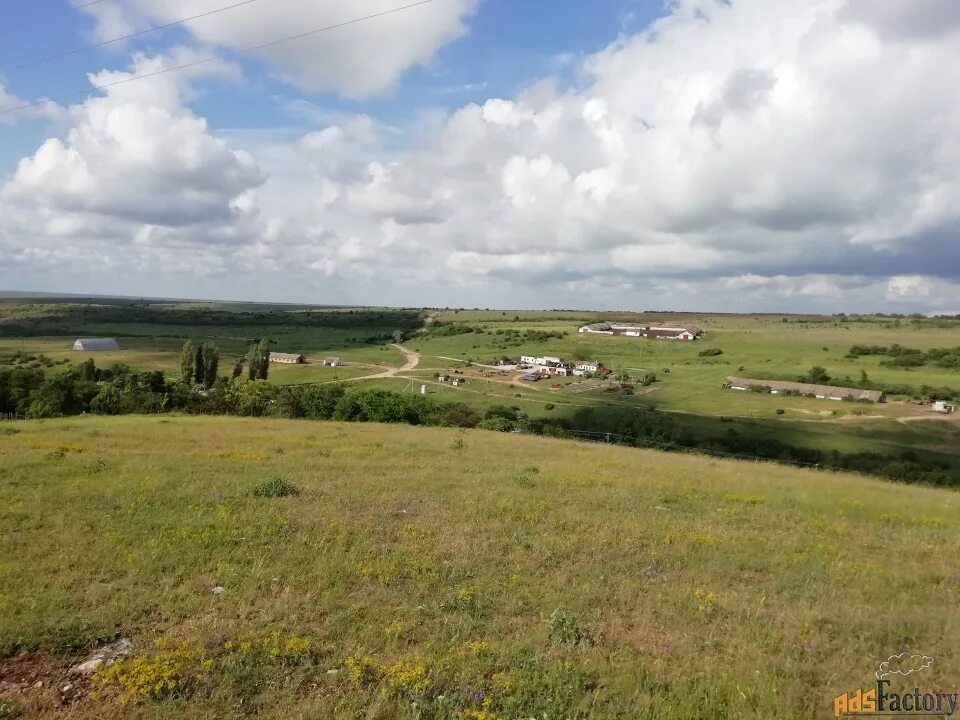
[(213, 58), (120, 38)]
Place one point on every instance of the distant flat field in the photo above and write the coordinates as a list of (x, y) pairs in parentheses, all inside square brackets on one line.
[(424, 573)]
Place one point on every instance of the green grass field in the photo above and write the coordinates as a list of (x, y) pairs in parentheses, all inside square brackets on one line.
[(432, 573), (151, 337), (762, 346), (688, 385)]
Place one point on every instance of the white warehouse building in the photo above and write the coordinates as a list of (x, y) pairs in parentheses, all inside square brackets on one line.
[(95, 344)]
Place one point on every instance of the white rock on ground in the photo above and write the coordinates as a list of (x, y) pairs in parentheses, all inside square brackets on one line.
[(106, 656)]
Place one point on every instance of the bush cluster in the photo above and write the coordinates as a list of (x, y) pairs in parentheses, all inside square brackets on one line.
[(905, 357)]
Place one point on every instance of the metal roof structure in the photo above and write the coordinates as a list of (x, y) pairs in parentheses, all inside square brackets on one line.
[(823, 391), (94, 344), (286, 357)]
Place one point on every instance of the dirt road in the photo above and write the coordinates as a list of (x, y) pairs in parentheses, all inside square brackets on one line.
[(411, 360)]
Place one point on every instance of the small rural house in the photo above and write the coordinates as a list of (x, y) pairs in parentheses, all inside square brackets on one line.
[(822, 392), (95, 344), (287, 358), (332, 362), (942, 406), (584, 367)]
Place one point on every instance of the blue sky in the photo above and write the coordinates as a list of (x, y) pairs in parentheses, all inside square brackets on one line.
[(730, 154), (510, 44)]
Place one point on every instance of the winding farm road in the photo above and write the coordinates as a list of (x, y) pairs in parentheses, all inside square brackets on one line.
[(411, 360)]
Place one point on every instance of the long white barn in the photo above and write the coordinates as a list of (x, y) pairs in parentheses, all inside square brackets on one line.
[(645, 331)]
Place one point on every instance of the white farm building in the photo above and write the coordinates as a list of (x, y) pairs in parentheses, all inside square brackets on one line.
[(583, 367), (687, 333), (95, 344)]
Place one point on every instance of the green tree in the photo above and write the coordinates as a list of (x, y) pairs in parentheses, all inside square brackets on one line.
[(211, 362), (253, 362), (258, 360), (818, 375), (198, 365), (243, 397), (237, 368), (264, 355), (188, 359), (87, 371)]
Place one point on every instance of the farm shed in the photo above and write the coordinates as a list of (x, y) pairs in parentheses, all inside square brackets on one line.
[(557, 369), (96, 344), (287, 358), (823, 392), (332, 361)]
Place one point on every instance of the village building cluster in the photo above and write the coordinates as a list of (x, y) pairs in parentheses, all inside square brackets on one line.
[(644, 331), (540, 367)]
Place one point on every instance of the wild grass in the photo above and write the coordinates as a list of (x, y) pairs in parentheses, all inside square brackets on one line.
[(431, 573)]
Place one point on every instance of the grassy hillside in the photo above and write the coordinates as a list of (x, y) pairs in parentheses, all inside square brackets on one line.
[(433, 573)]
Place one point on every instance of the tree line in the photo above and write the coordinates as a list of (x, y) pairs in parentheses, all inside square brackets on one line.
[(117, 390)]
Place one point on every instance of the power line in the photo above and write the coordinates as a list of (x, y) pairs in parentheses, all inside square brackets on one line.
[(74, 8), (124, 37), (214, 58)]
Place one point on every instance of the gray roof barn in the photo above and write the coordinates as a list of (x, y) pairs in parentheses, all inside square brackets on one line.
[(290, 358), (95, 344), (830, 392)]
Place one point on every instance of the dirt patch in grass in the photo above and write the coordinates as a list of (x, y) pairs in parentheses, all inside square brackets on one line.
[(36, 681)]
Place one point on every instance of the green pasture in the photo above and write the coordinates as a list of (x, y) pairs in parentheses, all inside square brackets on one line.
[(430, 574)]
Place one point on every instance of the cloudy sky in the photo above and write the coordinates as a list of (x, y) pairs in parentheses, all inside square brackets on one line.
[(767, 155)]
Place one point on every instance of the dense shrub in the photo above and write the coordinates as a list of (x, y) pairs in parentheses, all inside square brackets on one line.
[(816, 375), (275, 487), (495, 423), (910, 357), (440, 330)]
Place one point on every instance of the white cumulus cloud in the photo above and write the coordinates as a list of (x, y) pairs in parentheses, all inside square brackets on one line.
[(357, 60), (734, 154)]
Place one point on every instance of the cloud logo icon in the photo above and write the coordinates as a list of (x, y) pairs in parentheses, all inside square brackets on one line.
[(903, 664)]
